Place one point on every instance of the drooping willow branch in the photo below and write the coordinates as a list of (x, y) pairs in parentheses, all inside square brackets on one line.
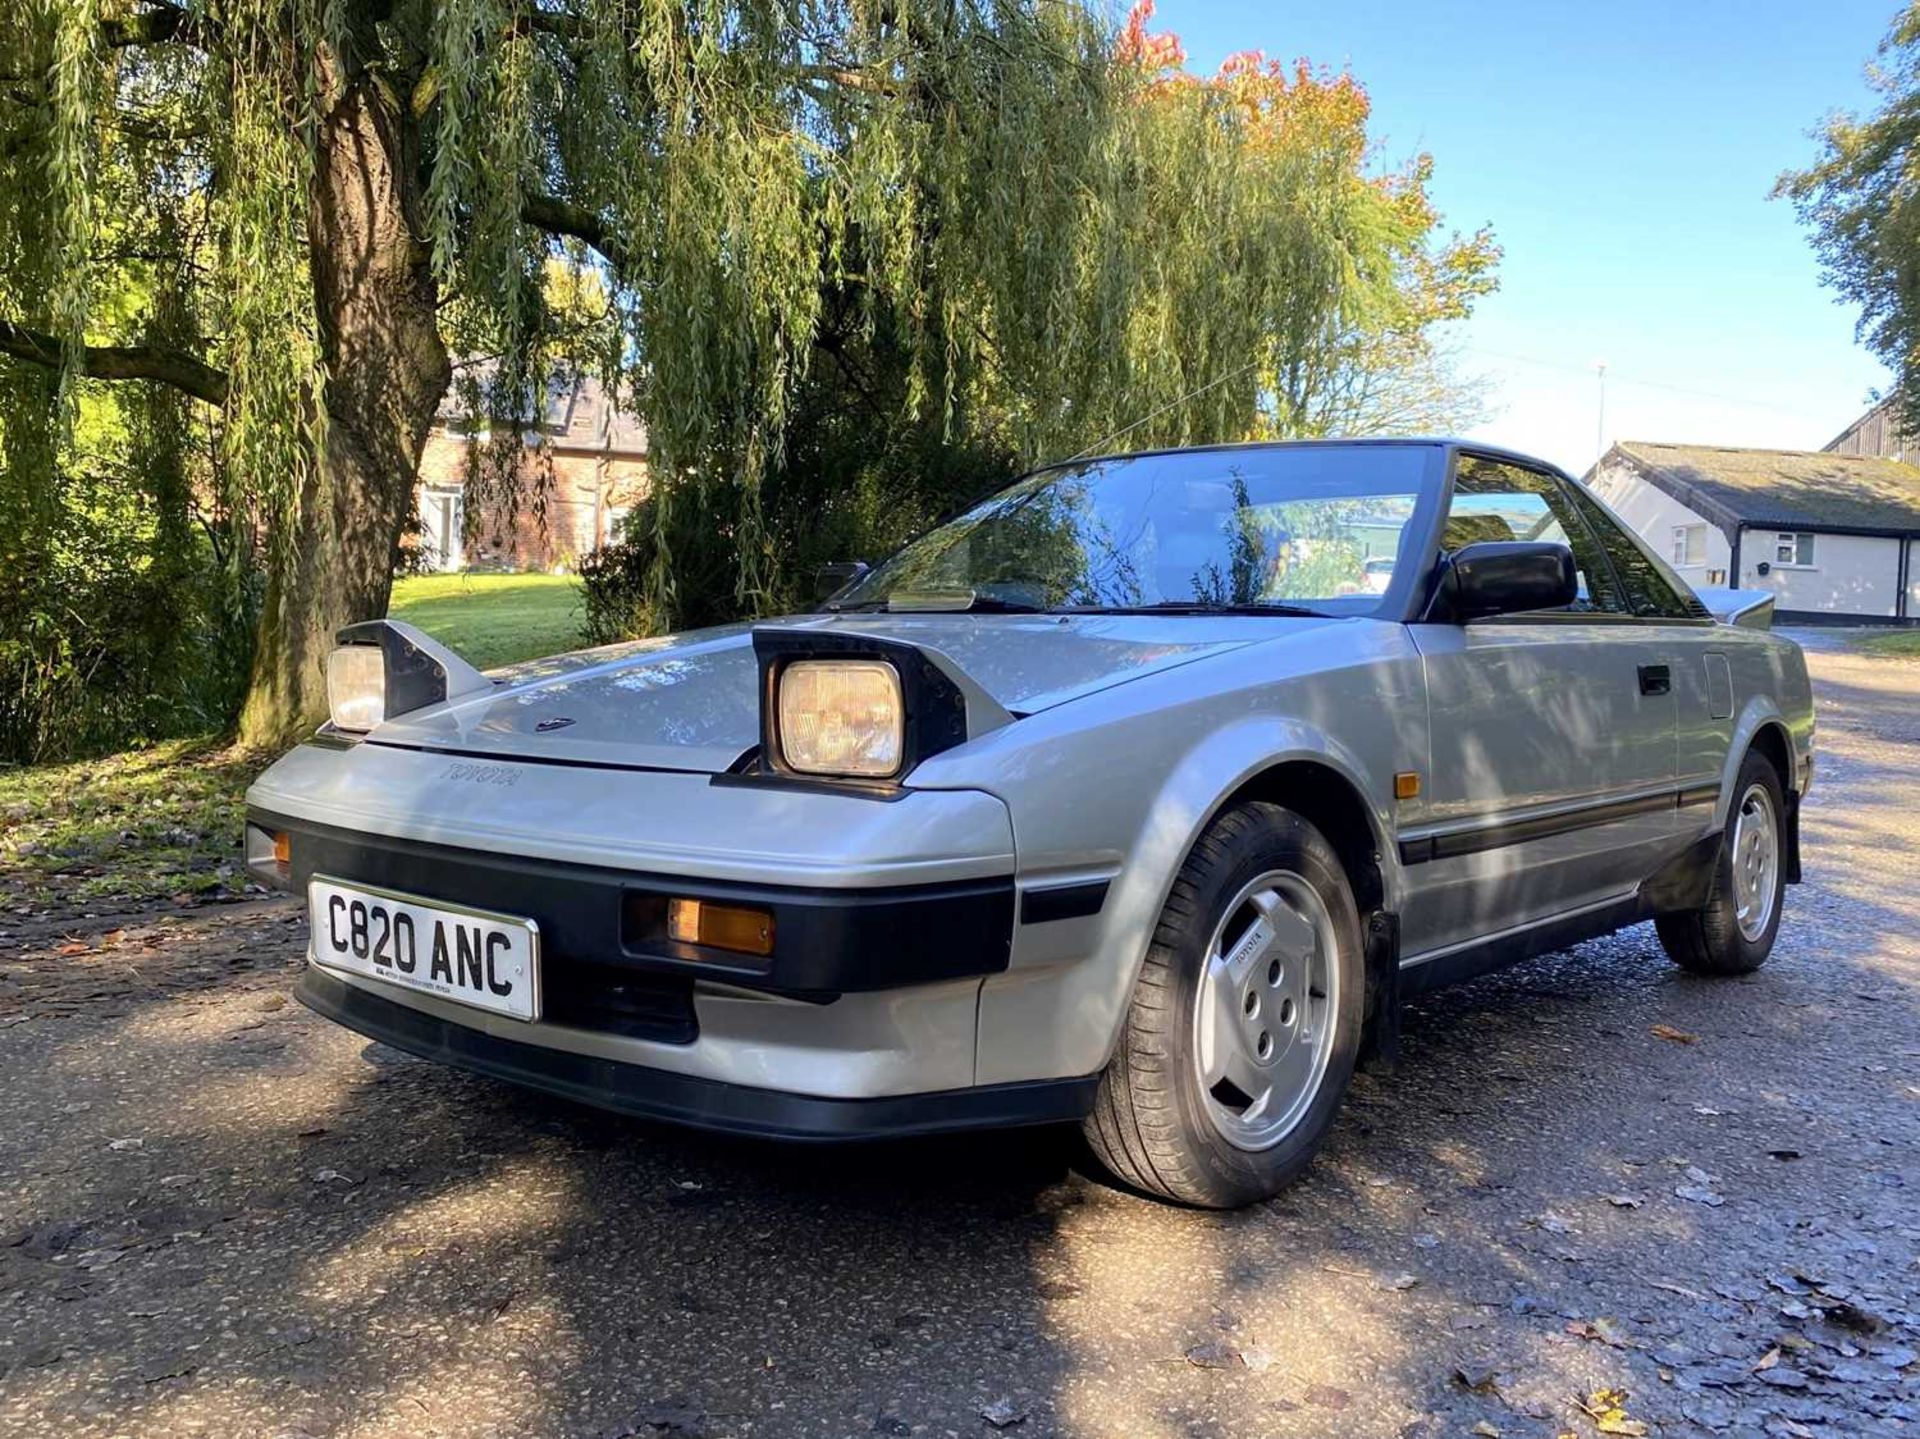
[(561, 217), (186, 373), (153, 27)]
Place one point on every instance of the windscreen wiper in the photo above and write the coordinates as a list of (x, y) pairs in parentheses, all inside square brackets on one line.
[(960, 603), (1199, 607)]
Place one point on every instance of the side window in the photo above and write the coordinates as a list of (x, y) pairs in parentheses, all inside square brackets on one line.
[(1493, 501), (1652, 590)]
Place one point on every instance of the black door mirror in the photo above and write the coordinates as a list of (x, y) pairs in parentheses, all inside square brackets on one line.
[(829, 580), (1504, 577)]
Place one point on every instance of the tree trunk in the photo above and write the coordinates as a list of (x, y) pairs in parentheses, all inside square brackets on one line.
[(387, 369)]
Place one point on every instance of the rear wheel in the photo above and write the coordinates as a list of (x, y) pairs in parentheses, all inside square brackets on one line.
[(1733, 932), (1244, 1024)]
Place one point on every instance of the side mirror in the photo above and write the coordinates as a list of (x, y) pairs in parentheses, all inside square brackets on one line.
[(1504, 577), (829, 580)]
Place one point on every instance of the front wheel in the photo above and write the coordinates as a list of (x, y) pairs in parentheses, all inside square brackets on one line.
[(1733, 932), (1245, 1021)]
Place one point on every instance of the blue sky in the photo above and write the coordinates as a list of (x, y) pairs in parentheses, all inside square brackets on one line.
[(1623, 154)]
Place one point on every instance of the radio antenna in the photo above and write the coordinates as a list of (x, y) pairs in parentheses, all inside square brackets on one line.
[(1104, 441)]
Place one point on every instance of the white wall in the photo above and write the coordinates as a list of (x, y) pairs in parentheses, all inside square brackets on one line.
[(1652, 513), (1913, 580), (1851, 574)]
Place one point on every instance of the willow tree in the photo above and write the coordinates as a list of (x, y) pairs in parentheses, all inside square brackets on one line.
[(329, 198)]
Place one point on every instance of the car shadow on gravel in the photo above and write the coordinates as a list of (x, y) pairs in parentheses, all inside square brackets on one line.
[(1590, 1173), (314, 1235)]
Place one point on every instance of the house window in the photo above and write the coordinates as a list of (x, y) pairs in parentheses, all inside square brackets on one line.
[(1689, 544), (1793, 548)]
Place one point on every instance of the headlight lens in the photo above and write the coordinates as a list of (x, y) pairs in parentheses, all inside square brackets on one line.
[(841, 717), (357, 687)]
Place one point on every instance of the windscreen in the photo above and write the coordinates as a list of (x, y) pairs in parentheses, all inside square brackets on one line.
[(1316, 528)]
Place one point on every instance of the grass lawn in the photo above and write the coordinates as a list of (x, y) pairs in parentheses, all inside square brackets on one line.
[(163, 824), (493, 620), (1902, 643)]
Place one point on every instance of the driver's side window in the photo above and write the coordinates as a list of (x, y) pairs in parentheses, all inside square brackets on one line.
[(1495, 501)]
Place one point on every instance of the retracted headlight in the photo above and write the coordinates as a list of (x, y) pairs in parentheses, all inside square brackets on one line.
[(842, 717), (357, 687), (861, 708), (383, 669)]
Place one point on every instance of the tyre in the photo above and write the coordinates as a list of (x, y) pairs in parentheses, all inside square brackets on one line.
[(1245, 1022), (1733, 932)]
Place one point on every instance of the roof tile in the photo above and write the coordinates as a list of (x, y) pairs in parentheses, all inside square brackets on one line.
[(1796, 489)]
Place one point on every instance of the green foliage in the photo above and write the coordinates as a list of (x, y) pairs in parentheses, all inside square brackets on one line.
[(850, 260), (1861, 199), (119, 623)]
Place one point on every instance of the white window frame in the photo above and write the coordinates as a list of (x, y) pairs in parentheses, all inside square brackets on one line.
[(1689, 546), (1799, 545)]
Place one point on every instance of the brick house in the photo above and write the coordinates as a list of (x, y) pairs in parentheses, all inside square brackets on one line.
[(577, 476)]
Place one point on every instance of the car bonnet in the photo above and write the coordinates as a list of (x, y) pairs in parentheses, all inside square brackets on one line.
[(689, 702)]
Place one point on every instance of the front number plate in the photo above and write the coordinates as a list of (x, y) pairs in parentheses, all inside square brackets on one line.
[(489, 961)]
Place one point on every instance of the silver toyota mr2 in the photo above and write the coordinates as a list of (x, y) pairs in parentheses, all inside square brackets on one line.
[(1140, 795)]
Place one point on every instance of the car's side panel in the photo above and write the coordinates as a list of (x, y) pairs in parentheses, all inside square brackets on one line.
[(1553, 777), (1120, 787)]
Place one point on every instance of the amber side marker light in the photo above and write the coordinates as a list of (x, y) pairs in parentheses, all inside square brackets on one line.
[(720, 926), (1406, 785), (282, 848)]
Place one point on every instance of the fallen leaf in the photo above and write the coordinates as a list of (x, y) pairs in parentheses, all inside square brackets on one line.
[(71, 948), (1605, 1330), (1607, 1409), (1485, 1430), (1479, 1378), (1214, 1354), (1003, 1413), (1678, 1036), (1768, 1360), (1680, 1289)]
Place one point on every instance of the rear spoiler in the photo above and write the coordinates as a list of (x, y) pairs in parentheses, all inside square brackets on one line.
[(1750, 609)]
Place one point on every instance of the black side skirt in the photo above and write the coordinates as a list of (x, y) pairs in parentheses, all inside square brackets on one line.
[(685, 1099)]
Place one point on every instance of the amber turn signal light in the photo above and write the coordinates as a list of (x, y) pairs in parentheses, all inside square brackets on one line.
[(720, 926), (1406, 785), (283, 848)]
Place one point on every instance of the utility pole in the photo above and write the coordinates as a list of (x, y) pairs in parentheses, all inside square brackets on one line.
[(1600, 425)]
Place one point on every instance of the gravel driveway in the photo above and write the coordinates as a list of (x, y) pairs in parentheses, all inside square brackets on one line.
[(222, 1215)]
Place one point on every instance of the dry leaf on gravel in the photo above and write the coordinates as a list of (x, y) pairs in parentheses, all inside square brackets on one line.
[(1214, 1354), (1678, 1036), (1607, 1409), (1003, 1413)]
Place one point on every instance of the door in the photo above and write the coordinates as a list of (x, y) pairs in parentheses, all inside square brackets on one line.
[(1552, 737)]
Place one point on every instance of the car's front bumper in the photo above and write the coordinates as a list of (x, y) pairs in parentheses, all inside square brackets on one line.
[(679, 1098), (888, 913)]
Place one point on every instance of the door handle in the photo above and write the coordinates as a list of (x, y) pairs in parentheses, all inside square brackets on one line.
[(1655, 680)]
